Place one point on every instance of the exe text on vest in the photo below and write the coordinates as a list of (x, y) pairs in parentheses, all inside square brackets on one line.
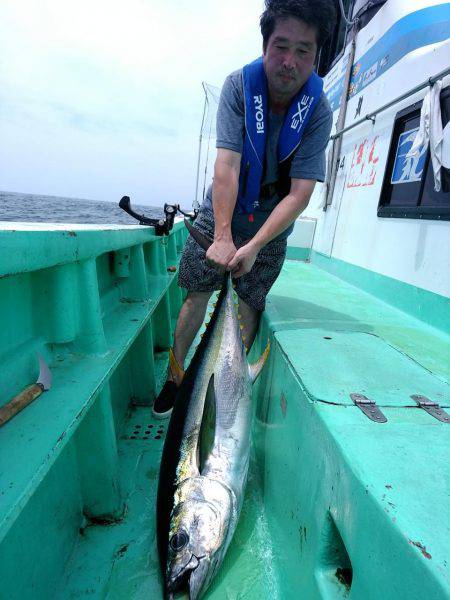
[(303, 108)]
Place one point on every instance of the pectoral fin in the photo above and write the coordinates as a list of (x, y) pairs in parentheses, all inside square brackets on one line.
[(208, 426), (256, 368)]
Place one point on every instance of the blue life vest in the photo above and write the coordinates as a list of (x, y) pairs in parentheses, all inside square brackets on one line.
[(256, 99)]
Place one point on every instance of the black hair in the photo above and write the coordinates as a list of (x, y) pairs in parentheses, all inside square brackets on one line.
[(320, 14)]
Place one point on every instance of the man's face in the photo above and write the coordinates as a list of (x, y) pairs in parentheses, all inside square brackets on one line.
[(289, 56)]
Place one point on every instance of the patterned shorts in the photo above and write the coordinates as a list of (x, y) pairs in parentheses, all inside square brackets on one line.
[(196, 276)]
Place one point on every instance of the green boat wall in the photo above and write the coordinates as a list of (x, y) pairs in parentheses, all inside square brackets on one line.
[(99, 306)]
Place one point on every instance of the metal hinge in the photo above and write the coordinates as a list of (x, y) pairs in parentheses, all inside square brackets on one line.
[(369, 408), (432, 408)]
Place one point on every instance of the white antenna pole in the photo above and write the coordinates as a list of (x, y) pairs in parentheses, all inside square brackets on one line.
[(196, 203)]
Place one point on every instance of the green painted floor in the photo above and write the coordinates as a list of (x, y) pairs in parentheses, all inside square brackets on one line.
[(119, 562)]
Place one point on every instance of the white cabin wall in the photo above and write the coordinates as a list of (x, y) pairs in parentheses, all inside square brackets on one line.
[(411, 250)]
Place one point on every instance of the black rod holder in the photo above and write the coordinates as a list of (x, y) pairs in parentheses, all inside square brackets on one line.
[(162, 226)]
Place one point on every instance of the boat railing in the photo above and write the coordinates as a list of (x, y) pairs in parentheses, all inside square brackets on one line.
[(372, 115)]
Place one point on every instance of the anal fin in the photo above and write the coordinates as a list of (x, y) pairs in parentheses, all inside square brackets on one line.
[(256, 368)]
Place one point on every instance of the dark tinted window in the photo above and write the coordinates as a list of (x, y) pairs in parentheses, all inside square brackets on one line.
[(334, 46), (408, 186)]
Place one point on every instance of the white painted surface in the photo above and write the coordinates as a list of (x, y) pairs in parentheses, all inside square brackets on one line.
[(410, 250), (303, 234)]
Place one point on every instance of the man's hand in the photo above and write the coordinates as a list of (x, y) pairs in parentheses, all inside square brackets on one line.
[(243, 260), (220, 253), (224, 194)]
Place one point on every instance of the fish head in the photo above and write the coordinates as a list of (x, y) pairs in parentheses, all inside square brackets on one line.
[(197, 536), (192, 546)]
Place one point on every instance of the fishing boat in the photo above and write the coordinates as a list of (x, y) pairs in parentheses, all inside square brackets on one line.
[(349, 484)]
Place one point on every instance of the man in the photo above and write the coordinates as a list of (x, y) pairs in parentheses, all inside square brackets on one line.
[(273, 125)]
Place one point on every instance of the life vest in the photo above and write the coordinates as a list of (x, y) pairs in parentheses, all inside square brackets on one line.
[(256, 100)]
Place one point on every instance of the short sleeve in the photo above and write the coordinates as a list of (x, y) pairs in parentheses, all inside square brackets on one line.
[(230, 114), (309, 160)]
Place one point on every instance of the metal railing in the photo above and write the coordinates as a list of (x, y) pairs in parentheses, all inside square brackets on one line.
[(372, 115)]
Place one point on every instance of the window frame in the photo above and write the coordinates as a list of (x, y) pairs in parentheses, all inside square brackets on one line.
[(433, 213)]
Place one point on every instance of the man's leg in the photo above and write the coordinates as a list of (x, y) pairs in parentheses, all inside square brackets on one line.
[(189, 321), (252, 288), (250, 322)]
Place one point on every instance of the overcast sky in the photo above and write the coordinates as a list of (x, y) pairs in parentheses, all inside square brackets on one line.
[(101, 98)]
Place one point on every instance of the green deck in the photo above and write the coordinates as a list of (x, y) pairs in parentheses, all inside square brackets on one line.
[(329, 490)]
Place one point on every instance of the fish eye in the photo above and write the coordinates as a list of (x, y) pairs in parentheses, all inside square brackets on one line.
[(179, 540)]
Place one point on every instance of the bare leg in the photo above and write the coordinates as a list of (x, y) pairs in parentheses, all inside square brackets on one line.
[(250, 322), (189, 321)]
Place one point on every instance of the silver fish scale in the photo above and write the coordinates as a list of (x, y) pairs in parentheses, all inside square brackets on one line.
[(228, 403), (232, 385)]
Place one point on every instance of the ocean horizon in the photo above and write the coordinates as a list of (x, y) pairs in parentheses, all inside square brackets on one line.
[(40, 208)]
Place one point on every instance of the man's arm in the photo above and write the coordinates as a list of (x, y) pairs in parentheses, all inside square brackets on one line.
[(286, 211), (224, 196)]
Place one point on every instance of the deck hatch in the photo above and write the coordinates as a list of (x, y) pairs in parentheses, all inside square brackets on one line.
[(331, 365)]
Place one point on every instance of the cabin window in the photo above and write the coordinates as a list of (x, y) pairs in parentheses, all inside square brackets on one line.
[(333, 48), (408, 186)]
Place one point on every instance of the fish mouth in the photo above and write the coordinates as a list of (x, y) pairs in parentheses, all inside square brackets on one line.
[(191, 578), (180, 577), (198, 578)]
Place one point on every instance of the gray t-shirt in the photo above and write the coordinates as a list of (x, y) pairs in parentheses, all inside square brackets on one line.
[(308, 161)]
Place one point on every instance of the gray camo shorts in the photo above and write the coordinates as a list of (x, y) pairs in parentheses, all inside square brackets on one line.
[(196, 276)]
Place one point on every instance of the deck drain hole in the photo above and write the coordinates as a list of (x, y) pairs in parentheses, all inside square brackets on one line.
[(145, 437), (132, 437), (326, 337), (137, 426), (157, 437)]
